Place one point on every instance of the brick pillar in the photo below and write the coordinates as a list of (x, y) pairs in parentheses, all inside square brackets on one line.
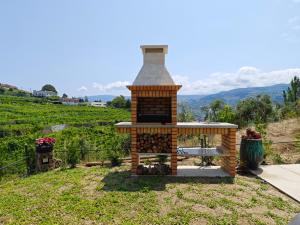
[(229, 143), (133, 107), (134, 155), (174, 107), (174, 152)]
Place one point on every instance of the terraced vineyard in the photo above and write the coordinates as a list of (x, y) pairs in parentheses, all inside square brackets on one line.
[(23, 119)]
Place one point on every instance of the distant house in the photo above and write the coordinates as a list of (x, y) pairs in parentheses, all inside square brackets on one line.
[(98, 104), (70, 101), (43, 93)]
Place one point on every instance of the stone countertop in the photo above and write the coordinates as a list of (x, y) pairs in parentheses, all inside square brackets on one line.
[(179, 125)]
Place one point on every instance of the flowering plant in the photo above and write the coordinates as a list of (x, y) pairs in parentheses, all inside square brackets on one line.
[(45, 141), (251, 134)]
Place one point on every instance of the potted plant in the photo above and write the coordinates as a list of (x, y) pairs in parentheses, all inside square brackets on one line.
[(251, 150), (44, 144)]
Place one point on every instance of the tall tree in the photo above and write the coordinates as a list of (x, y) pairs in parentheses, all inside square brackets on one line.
[(49, 87), (293, 92), (120, 102)]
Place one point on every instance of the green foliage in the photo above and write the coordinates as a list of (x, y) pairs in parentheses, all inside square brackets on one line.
[(120, 102), (257, 109), (185, 113), (14, 92), (24, 119), (30, 159), (227, 114), (218, 111), (213, 109), (49, 87), (53, 98), (73, 155), (292, 99), (293, 92), (267, 143)]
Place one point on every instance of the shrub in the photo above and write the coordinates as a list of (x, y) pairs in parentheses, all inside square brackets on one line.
[(72, 152)]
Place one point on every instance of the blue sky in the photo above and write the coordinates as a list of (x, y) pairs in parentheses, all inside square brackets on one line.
[(92, 47)]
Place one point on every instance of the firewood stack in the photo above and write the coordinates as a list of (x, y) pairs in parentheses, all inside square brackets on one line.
[(154, 143)]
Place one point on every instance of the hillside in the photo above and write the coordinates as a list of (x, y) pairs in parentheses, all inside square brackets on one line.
[(230, 97), (233, 96), (7, 89), (283, 135), (23, 119)]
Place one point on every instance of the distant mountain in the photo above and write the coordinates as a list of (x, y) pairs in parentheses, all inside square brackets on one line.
[(232, 97)]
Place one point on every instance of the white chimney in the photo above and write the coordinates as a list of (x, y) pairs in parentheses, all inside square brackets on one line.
[(153, 71)]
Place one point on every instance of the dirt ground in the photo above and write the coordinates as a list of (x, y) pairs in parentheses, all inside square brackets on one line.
[(283, 131)]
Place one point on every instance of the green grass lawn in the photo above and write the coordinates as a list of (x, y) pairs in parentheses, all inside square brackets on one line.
[(111, 196)]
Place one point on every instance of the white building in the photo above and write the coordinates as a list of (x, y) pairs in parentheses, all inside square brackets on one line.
[(98, 104), (43, 93)]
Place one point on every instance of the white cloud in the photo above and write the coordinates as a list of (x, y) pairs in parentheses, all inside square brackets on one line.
[(248, 70), (244, 77), (296, 27), (82, 88), (293, 19), (118, 85)]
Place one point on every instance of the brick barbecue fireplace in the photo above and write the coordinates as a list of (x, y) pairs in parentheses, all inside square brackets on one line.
[(153, 127)]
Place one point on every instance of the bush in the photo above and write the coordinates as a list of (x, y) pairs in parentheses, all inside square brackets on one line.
[(72, 152), (30, 159)]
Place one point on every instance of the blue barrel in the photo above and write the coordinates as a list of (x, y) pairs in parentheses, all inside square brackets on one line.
[(251, 153)]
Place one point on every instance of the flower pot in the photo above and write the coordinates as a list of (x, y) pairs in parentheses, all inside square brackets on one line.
[(251, 153), (44, 148)]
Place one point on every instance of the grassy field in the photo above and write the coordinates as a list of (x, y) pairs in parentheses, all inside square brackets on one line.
[(111, 196)]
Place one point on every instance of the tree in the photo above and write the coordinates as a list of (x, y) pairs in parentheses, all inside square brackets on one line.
[(185, 113), (73, 155), (227, 114), (49, 87), (293, 92), (120, 102), (211, 112), (291, 98), (65, 95), (257, 109)]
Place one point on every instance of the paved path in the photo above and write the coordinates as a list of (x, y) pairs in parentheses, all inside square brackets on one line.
[(284, 177), (198, 171)]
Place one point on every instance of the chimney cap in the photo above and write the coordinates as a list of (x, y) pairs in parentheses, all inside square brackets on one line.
[(155, 49)]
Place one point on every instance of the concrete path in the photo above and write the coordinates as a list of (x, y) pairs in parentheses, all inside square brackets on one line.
[(284, 177), (198, 171)]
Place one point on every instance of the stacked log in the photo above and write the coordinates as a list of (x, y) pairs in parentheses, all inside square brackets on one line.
[(154, 143)]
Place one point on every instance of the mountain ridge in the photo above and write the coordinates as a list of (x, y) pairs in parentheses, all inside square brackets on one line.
[(230, 97)]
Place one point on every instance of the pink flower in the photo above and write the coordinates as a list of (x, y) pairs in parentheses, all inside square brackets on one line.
[(45, 140)]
